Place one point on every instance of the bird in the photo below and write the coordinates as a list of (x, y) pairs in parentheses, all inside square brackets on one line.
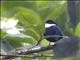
[(52, 29)]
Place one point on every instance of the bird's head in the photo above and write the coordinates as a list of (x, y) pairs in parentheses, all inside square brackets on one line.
[(49, 23)]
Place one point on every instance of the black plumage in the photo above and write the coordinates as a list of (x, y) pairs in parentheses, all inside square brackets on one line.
[(52, 29)]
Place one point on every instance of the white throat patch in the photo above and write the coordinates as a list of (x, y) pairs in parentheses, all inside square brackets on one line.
[(49, 25)]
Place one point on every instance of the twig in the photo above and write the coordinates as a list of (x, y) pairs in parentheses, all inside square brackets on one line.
[(29, 52), (26, 56)]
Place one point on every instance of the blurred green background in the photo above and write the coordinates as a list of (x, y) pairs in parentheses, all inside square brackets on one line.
[(33, 13)]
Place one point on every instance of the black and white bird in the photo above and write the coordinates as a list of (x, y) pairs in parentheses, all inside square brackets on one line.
[(51, 28)]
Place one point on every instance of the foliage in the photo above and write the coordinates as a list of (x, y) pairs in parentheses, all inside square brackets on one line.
[(31, 16), (77, 30)]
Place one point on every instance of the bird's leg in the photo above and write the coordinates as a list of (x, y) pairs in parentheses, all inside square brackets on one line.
[(51, 43)]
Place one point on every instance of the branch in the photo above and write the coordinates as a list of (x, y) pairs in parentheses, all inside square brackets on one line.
[(55, 36), (24, 56), (28, 52)]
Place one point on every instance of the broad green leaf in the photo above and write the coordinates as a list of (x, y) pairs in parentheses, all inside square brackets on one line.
[(77, 30), (31, 32), (39, 29), (27, 16), (30, 19), (8, 7), (16, 41)]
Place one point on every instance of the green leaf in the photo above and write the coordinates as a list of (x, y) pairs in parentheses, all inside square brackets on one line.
[(30, 19), (77, 30), (27, 16), (8, 7), (51, 9), (2, 34), (16, 41), (39, 29), (31, 32)]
